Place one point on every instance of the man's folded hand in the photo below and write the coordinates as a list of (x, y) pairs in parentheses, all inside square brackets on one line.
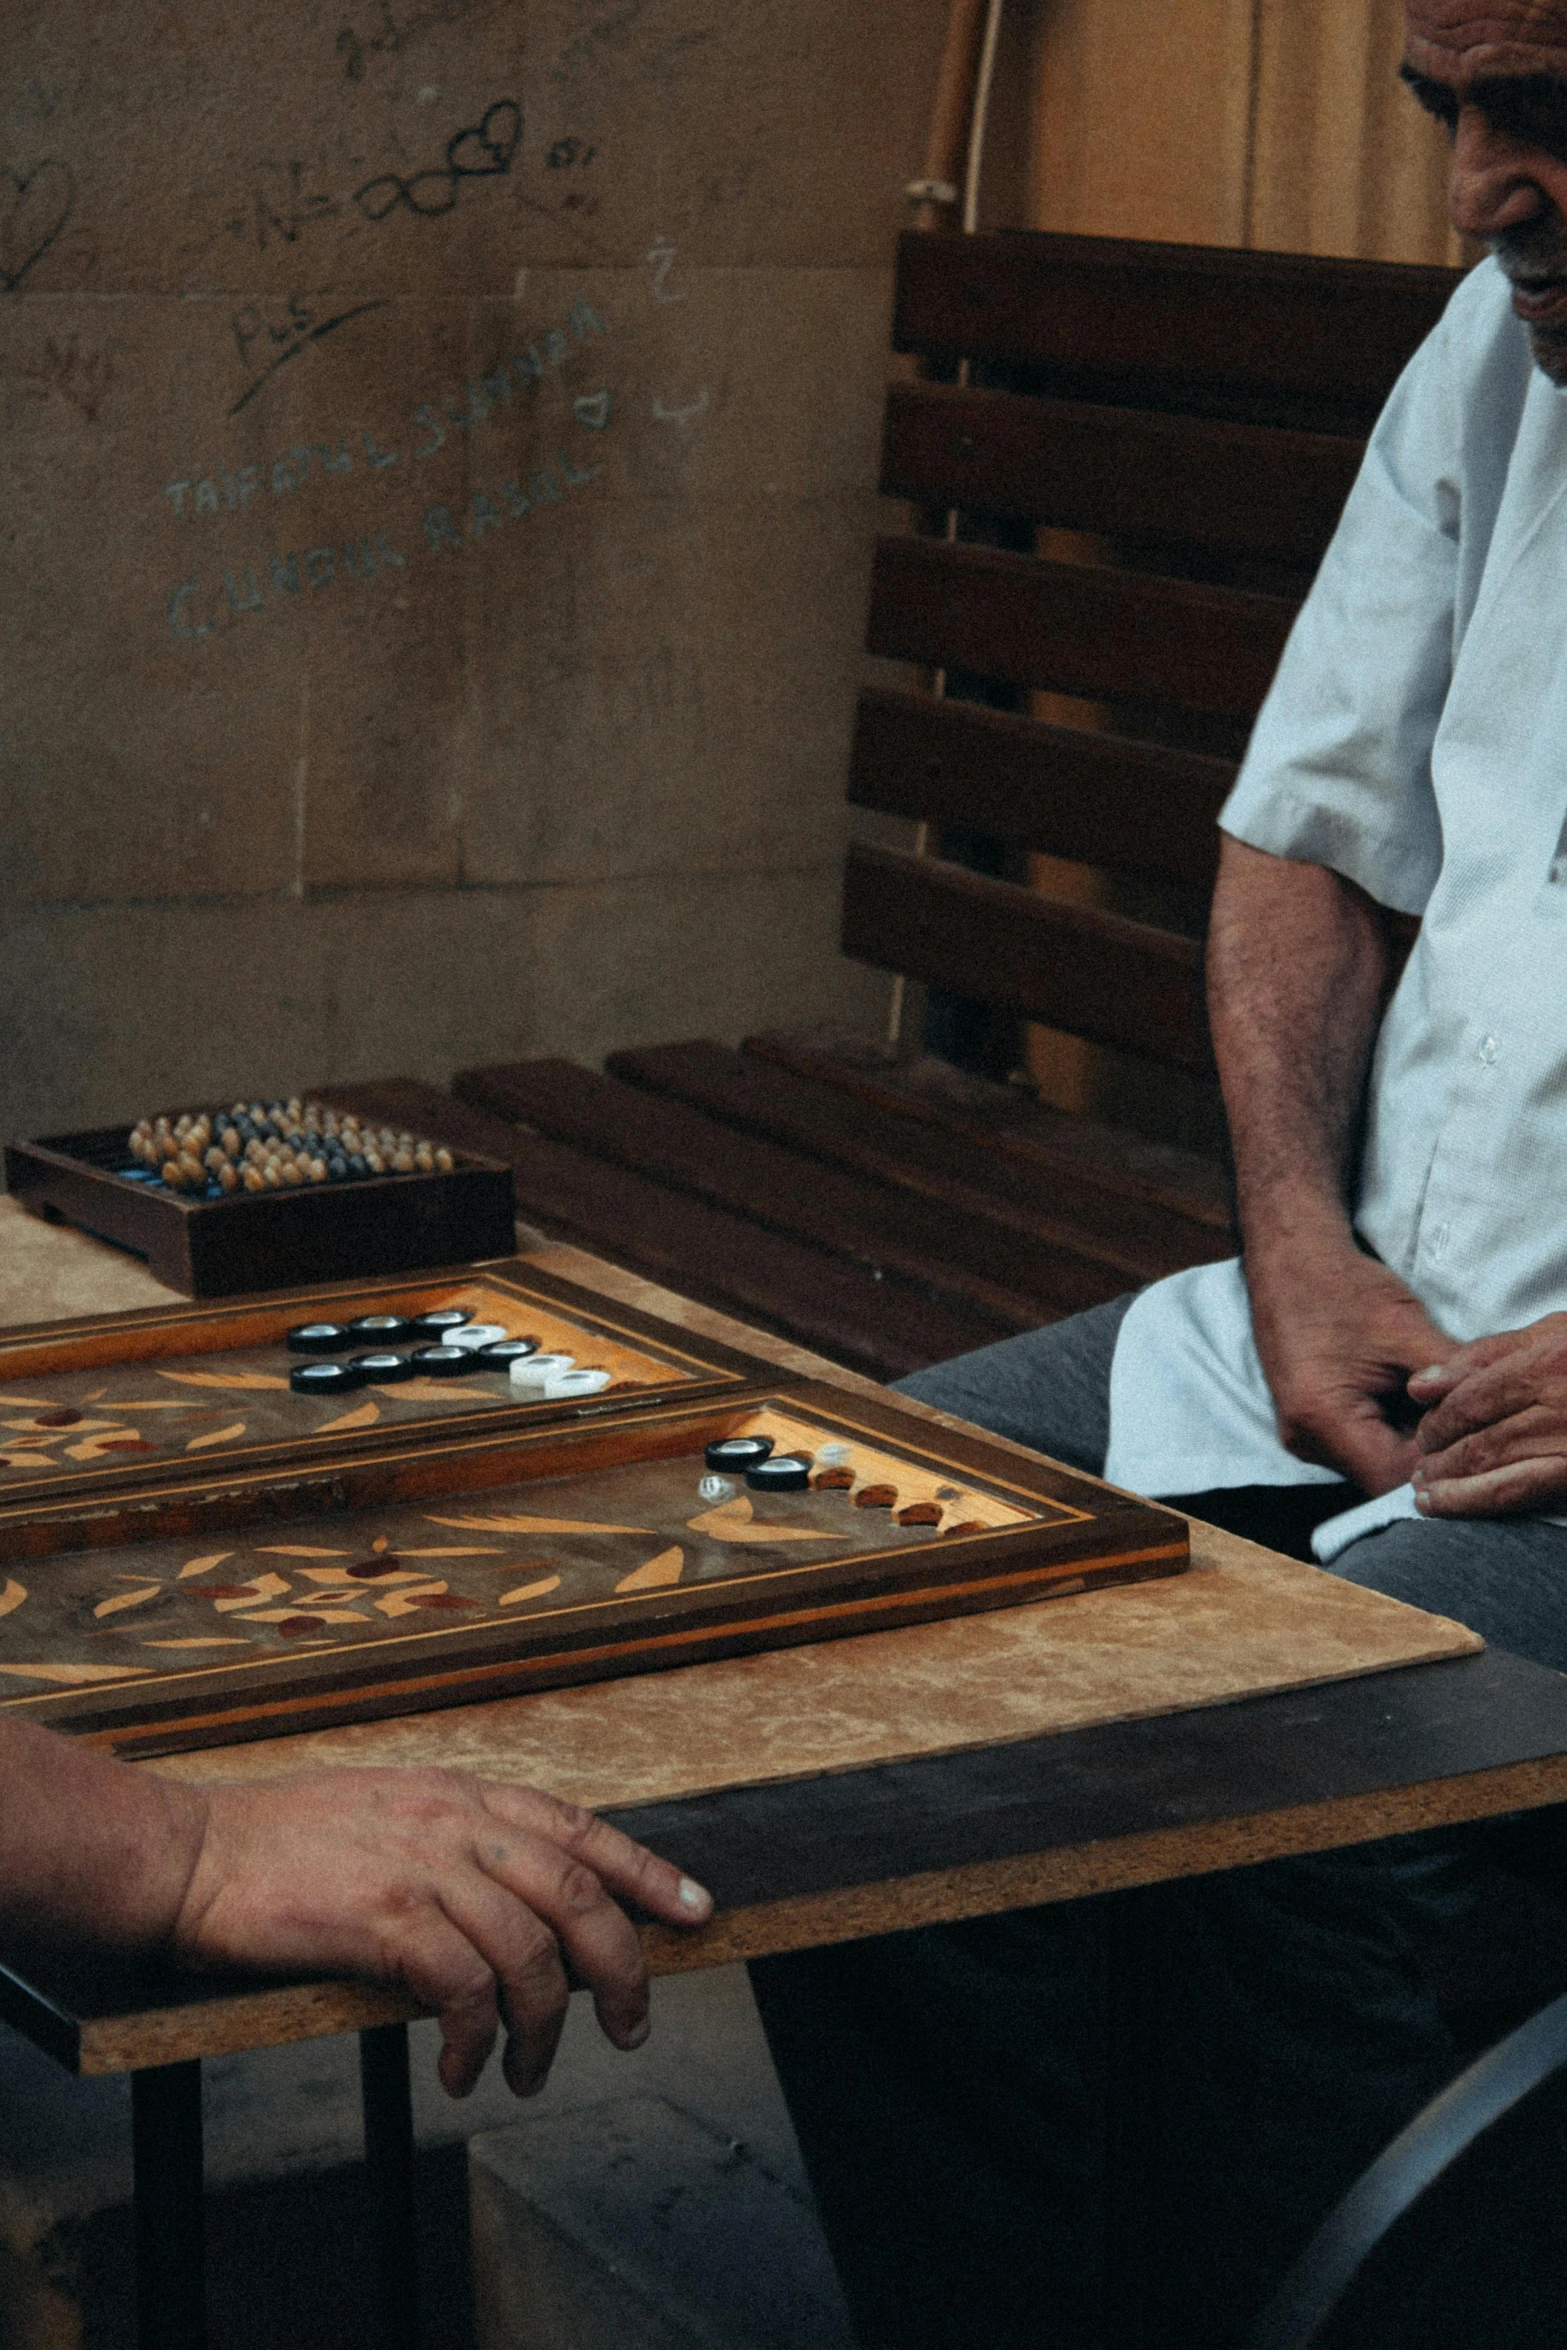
[(1493, 1441)]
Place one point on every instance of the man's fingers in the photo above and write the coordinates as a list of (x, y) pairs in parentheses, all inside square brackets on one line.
[(595, 1935), (1442, 1374), (1520, 1486), (441, 1967), (1538, 1341), (1532, 1433), (626, 1867), (1488, 1399), (511, 1934)]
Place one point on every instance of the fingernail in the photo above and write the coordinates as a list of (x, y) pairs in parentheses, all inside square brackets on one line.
[(637, 2036), (1431, 1371), (695, 1897)]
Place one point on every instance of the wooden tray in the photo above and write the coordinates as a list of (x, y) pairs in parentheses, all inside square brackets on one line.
[(199, 1393), (261, 1240), (419, 1576)]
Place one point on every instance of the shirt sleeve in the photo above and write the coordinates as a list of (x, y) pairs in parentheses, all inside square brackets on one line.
[(1338, 772)]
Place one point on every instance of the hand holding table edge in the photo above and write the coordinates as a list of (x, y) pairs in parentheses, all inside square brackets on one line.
[(476, 1898)]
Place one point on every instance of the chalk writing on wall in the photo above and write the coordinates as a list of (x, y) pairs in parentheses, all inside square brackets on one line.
[(280, 205), (198, 609), (66, 368), (678, 412), (389, 37), (573, 155), (281, 202), (485, 150), (661, 260), (34, 208), (215, 489), (282, 339)]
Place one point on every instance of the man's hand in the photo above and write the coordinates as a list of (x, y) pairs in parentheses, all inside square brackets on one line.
[(481, 1899), (484, 1901), (1338, 1335), (1494, 1437)]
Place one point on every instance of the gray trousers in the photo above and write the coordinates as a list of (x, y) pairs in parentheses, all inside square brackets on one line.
[(1051, 1389), (955, 2089)]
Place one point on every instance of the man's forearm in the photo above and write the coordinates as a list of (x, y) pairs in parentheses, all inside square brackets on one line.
[(1298, 964), (1298, 967), (90, 1849)]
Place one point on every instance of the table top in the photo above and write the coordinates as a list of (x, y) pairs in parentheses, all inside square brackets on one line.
[(882, 1818)]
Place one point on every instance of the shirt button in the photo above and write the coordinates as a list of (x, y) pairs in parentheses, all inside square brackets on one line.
[(1439, 1239), (1488, 1051)]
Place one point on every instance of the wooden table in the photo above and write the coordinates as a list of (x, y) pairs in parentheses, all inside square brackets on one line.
[(804, 1859)]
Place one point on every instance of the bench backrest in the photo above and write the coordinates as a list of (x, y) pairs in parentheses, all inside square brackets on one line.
[(1202, 412)]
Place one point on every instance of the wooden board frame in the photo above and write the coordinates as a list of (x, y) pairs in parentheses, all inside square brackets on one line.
[(258, 1240), (1092, 1537), (156, 1335)]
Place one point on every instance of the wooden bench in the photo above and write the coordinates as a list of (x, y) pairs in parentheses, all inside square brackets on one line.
[(1201, 415)]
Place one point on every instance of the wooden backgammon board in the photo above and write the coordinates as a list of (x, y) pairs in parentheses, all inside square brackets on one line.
[(426, 1565), (202, 1391)]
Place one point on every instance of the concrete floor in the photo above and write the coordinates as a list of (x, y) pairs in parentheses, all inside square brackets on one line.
[(737, 2242)]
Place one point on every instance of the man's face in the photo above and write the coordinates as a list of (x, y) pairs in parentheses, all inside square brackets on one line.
[(1495, 71)]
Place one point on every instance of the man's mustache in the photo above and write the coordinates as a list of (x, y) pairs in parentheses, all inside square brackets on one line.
[(1524, 255)]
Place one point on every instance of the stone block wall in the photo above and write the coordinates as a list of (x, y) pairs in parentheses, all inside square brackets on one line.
[(438, 442)]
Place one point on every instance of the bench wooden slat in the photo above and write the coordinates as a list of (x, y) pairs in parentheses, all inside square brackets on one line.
[(1096, 975), (881, 1328), (1004, 1274), (1332, 333), (1076, 628), (1059, 1150), (1093, 797), (821, 1122), (1083, 466)]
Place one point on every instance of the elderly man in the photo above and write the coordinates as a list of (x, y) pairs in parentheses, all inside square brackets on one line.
[(1387, 1362), (476, 1897)]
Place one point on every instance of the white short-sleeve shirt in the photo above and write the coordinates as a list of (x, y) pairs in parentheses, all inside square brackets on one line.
[(1415, 739)]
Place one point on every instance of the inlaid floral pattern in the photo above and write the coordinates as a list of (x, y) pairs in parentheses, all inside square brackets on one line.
[(614, 1537)]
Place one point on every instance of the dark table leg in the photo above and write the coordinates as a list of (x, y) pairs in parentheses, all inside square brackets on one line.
[(171, 2282), (389, 2171), (1132, 2199)]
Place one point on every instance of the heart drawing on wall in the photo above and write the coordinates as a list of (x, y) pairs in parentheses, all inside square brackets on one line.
[(488, 146), (34, 207)]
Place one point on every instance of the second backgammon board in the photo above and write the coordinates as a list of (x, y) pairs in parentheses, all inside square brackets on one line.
[(202, 1390), (418, 1568)]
